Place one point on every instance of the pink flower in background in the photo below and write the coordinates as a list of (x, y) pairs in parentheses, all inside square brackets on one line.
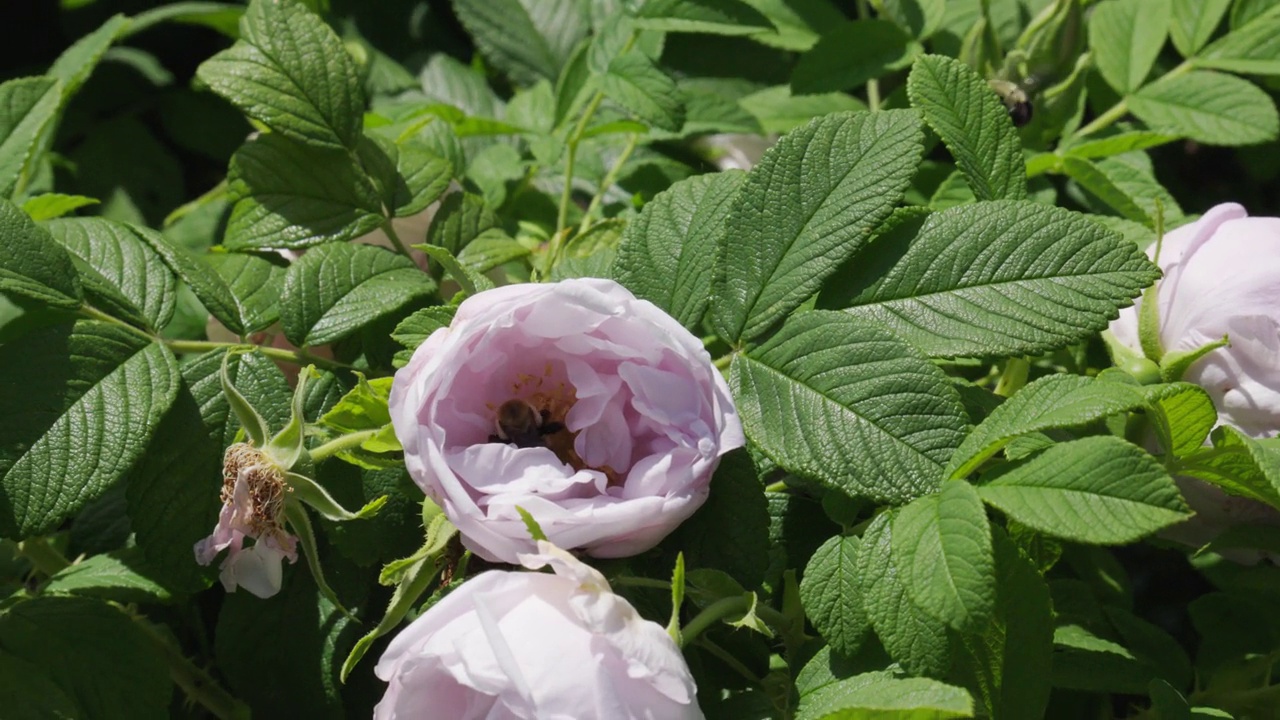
[(536, 645), (253, 491), (1222, 277), (590, 409)]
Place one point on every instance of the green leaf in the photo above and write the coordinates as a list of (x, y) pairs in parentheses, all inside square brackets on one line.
[(335, 289), (813, 201), (489, 250), (877, 695), (255, 282), (649, 94), (714, 17), (204, 282), (667, 252), (1238, 464), (119, 263), (1193, 23), (1208, 107), (220, 16), (942, 548), (1253, 49), (292, 195), (364, 407), (778, 111), (33, 265), (462, 217), (730, 532), (974, 124), (111, 576), (1098, 490), (994, 278), (829, 591), (290, 72), (27, 106), (1182, 418), (1125, 36), (920, 17), (1053, 401), (1116, 144), (103, 389), (1009, 660), (77, 62), (424, 177), (529, 40), (915, 639), (851, 54), (29, 692), (1090, 176), (117, 673), (850, 405), (54, 205), (1084, 661), (413, 330)]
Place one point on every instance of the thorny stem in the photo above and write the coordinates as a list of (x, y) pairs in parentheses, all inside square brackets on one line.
[(339, 444), (196, 683), (632, 140)]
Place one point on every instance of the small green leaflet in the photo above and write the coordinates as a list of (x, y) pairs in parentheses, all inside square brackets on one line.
[(850, 405), (416, 328), (884, 695), (1194, 22), (974, 124), (1238, 464), (1253, 49), (54, 205), (77, 62), (1098, 490), (942, 549), (996, 278), (255, 282), (529, 40), (830, 594), (335, 289), (1125, 37), (635, 82), (33, 265), (1209, 107), (714, 17), (853, 53), (813, 201), (27, 106), (290, 72), (666, 254)]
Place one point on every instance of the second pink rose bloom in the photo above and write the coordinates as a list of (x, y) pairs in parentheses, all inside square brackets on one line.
[(626, 419)]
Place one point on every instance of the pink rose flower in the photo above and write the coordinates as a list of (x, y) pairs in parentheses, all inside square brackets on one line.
[(1222, 277), (592, 410), (253, 491), (535, 645)]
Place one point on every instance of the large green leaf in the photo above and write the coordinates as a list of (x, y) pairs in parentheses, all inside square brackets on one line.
[(849, 404), (94, 653), (813, 201), (77, 62), (942, 548), (116, 576), (27, 106), (1008, 661), (666, 253), (204, 282), (255, 282), (997, 278), (1238, 464), (1125, 36), (715, 17), (121, 264), (829, 591), (912, 637), (636, 83), (527, 39), (290, 72), (1193, 23), (853, 53), (335, 289), (1253, 49), (291, 195), (78, 406), (1209, 107), (973, 123), (33, 265), (1099, 490), (876, 695)]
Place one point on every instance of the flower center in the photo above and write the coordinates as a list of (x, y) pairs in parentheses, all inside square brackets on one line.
[(264, 481)]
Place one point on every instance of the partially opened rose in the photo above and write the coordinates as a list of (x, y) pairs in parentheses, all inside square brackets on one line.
[(1222, 277), (535, 645), (592, 410)]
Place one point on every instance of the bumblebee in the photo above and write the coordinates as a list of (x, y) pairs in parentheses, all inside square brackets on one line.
[(520, 424), (1015, 100)]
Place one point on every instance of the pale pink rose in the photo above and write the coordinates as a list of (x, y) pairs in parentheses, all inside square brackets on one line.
[(253, 497), (526, 645), (633, 419), (1222, 277)]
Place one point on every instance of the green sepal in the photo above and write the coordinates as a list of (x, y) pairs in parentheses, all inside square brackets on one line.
[(412, 577), (1140, 368), (300, 524), (677, 599), (1175, 364), (535, 530), (255, 428), (750, 620), (287, 448), (1149, 325), (310, 492)]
